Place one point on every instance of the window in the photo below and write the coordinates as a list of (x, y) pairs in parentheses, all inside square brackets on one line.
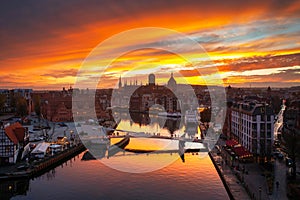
[(254, 126), (7, 149), (269, 127), (262, 127), (269, 134)]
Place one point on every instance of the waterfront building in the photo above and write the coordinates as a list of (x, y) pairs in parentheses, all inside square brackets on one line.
[(252, 125), (12, 138)]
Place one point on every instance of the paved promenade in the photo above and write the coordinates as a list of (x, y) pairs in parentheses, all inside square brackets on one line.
[(252, 184), (236, 188)]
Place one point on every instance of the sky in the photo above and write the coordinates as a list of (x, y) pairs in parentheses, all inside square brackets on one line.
[(44, 44)]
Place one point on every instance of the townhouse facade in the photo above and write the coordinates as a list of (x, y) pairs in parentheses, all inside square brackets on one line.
[(252, 125), (13, 138)]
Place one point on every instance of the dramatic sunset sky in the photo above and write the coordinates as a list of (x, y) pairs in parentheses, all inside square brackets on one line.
[(44, 43)]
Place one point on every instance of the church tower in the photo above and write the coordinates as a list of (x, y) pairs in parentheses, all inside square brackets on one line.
[(120, 83)]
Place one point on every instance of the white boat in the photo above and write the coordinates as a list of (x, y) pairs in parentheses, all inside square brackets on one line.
[(168, 114), (191, 116)]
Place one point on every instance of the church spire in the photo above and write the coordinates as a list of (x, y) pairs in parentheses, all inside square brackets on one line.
[(120, 83)]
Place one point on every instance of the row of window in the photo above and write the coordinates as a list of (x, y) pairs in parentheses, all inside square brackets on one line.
[(236, 116), (6, 150)]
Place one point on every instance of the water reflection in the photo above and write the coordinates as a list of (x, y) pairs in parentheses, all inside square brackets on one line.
[(154, 124), (194, 179), (11, 188), (147, 134), (169, 176)]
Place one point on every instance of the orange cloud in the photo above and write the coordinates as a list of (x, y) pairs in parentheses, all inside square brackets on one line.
[(44, 50)]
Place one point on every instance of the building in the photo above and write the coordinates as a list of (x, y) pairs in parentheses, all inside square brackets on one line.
[(12, 95), (6, 106), (172, 84), (56, 106), (12, 138), (151, 79), (252, 125), (291, 120)]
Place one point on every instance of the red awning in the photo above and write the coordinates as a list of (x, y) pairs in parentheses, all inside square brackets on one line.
[(241, 152), (231, 143)]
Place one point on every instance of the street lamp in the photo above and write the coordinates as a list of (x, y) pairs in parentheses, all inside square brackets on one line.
[(259, 190)]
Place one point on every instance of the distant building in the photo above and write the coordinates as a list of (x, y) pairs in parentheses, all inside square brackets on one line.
[(56, 106), (151, 79), (172, 84), (11, 97), (252, 124), (6, 107), (291, 118), (12, 139), (120, 83)]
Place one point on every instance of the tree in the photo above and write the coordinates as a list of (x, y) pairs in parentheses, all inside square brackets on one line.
[(21, 106), (2, 101), (37, 105)]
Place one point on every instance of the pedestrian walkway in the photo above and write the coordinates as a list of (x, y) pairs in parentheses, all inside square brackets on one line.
[(252, 177), (235, 186), (279, 192), (255, 181)]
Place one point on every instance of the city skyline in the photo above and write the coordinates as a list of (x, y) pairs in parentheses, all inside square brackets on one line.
[(43, 44)]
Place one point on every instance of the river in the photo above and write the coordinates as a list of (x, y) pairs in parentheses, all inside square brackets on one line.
[(123, 176)]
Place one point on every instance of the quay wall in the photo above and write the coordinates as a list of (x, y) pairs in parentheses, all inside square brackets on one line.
[(46, 164), (221, 176), (56, 160)]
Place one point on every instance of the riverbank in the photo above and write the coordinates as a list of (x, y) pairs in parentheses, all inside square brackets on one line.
[(233, 186), (38, 168)]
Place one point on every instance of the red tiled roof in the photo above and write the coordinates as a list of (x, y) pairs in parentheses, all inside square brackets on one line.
[(10, 132), (20, 133)]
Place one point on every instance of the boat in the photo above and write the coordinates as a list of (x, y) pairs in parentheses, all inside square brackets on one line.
[(191, 116), (170, 114)]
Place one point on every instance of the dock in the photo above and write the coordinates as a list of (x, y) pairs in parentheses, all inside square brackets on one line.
[(40, 167)]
